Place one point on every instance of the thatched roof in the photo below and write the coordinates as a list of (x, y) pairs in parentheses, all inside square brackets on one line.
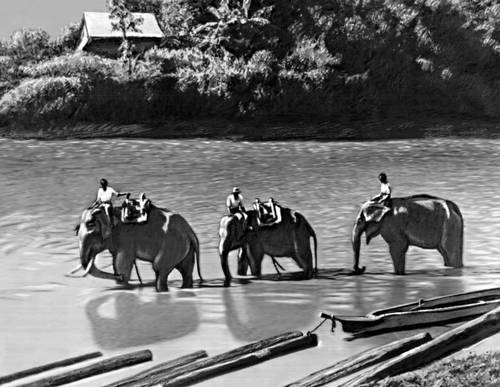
[(98, 25)]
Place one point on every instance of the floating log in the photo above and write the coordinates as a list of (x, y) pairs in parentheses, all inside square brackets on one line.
[(361, 361), (100, 367), (204, 363), (49, 366), (160, 369), (443, 345), (242, 361)]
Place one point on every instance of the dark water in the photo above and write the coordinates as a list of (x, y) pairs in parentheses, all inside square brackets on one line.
[(46, 184)]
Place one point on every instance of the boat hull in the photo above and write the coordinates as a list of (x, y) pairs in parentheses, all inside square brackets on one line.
[(434, 311)]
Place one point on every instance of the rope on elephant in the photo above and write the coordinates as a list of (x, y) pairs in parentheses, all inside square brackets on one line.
[(137, 271), (325, 317)]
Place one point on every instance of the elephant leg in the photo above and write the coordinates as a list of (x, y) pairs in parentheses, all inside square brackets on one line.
[(161, 282), (255, 254), (162, 269), (451, 243), (398, 254), (123, 263), (242, 262), (303, 254), (185, 267)]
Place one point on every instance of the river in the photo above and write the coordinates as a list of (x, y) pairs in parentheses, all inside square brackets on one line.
[(45, 316)]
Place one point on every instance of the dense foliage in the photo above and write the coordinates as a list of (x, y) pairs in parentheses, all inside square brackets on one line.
[(285, 59)]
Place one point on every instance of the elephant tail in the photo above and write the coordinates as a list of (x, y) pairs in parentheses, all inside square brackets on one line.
[(196, 246), (312, 233)]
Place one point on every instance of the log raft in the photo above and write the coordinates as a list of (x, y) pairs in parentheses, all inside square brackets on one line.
[(49, 366), (160, 369), (214, 360), (361, 361), (242, 361), (100, 367), (460, 337)]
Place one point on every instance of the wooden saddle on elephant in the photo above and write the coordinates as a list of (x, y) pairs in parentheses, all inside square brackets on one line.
[(268, 214), (135, 210)]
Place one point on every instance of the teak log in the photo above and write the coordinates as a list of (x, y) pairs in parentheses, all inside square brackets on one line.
[(160, 369), (361, 361), (49, 366), (204, 363), (100, 367), (443, 345), (242, 361)]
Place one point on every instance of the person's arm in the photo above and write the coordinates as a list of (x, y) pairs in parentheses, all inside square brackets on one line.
[(228, 202)]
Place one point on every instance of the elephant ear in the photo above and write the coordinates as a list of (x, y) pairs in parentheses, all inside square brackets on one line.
[(100, 218), (374, 212)]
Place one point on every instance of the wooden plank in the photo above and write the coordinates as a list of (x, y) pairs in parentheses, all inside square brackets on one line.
[(100, 367), (160, 368), (242, 361), (361, 361), (443, 345), (49, 366), (203, 363)]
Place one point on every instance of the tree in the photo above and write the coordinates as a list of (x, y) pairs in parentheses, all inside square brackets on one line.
[(123, 20), (28, 44), (68, 40), (239, 28)]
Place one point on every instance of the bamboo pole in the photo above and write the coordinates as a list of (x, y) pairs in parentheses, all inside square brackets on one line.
[(203, 363), (100, 367), (443, 345), (242, 361), (361, 361), (160, 368), (49, 366)]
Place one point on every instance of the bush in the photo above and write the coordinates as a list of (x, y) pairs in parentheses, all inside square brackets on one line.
[(46, 98), (74, 65)]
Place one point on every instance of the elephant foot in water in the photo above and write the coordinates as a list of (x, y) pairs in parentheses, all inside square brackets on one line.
[(358, 271)]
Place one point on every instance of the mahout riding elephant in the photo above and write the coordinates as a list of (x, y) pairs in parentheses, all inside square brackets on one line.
[(421, 220), (166, 240), (288, 238)]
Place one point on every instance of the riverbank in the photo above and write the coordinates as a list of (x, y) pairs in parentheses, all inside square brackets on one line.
[(266, 130), (472, 370)]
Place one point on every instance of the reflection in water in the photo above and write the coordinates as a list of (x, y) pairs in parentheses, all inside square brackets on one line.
[(125, 319), (265, 309)]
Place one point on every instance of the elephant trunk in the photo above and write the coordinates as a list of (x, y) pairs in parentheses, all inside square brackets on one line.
[(87, 258), (356, 245)]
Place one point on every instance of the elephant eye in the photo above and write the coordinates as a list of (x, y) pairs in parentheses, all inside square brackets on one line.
[(90, 224)]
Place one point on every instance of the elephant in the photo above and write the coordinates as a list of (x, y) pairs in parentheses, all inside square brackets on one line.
[(289, 238), (421, 220), (166, 240)]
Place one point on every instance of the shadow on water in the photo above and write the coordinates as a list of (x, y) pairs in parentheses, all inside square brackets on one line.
[(128, 319), (266, 309)]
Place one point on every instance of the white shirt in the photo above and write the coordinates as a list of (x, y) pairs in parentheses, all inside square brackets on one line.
[(105, 196), (385, 188), (232, 202)]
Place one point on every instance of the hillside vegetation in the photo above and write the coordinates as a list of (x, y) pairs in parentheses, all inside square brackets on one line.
[(285, 60)]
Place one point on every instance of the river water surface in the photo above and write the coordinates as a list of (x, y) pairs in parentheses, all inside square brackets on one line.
[(45, 316)]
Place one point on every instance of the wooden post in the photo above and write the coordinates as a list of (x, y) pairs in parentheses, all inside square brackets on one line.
[(160, 368), (242, 361), (100, 367), (203, 363), (361, 361), (49, 366), (443, 345)]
